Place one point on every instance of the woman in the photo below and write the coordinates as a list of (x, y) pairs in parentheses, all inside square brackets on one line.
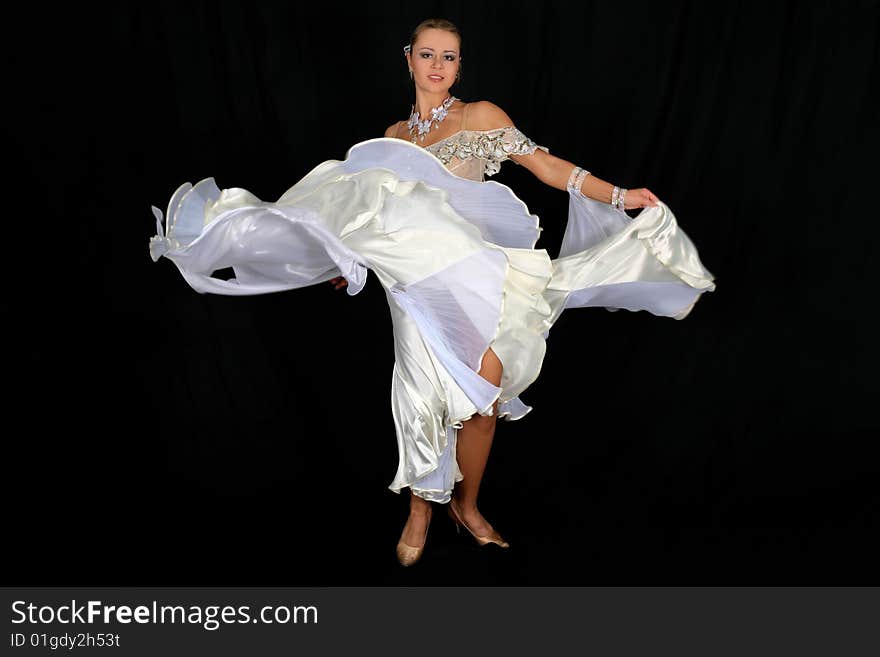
[(472, 300), (434, 61)]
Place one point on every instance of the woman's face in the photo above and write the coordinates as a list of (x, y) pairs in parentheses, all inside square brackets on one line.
[(434, 60)]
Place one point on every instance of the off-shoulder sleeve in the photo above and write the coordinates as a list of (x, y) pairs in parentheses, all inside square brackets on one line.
[(500, 144)]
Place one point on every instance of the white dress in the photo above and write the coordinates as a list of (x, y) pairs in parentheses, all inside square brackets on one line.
[(456, 257)]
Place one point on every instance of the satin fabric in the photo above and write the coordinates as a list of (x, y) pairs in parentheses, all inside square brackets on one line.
[(457, 262)]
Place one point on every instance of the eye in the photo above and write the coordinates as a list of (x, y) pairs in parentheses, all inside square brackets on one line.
[(427, 54), (451, 58)]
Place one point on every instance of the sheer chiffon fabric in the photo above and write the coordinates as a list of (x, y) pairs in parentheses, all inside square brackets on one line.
[(456, 258)]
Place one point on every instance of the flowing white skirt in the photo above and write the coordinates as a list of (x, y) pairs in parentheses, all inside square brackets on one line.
[(456, 259)]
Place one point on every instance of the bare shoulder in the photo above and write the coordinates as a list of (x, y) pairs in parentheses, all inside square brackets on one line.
[(486, 115), (392, 129)]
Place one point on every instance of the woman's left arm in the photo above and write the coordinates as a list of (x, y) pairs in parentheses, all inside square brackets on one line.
[(555, 171)]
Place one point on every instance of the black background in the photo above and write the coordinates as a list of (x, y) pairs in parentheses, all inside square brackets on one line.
[(158, 436)]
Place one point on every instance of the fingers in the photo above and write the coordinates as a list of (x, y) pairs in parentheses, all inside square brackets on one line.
[(642, 198)]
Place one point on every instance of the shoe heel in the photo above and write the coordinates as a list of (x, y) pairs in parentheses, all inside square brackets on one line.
[(495, 537), (455, 521)]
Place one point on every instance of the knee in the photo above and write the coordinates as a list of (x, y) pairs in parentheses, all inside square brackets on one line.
[(492, 367), (486, 422)]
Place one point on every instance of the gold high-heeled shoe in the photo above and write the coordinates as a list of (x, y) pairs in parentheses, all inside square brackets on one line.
[(407, 555), (494, 537)]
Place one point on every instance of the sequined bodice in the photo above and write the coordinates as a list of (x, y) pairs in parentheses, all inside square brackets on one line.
[(474, 154)]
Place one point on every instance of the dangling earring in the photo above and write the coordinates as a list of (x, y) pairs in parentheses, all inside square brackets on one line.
[(408, 49)]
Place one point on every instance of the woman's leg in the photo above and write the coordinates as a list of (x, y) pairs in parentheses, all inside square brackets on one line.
[(419, 514), (472, 449)]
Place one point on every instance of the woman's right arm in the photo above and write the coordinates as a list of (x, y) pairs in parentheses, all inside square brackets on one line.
[(339, 282)]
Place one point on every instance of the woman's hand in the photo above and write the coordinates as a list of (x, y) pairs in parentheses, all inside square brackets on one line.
[(339, 282), (639, 198)]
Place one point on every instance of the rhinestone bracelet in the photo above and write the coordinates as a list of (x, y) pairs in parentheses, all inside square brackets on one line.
[(572, 177), (576, 179), (620, 199), (614, 194)]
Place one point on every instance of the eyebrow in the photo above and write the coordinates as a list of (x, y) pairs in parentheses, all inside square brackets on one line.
[(431, 49)]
